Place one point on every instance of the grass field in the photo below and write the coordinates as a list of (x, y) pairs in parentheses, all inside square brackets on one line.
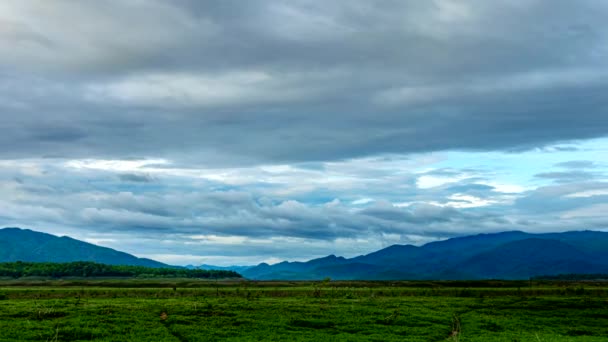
[(281, 311)]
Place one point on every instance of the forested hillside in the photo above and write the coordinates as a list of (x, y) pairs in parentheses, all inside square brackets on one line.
[(90, 269)]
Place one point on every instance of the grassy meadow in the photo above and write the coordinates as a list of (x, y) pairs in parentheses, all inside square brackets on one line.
[(156, 310)]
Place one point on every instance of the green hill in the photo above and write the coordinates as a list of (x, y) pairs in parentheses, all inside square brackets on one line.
[(26, 245)]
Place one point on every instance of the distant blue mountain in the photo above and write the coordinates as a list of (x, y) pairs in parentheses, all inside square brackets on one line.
[(506, 255), (237, 269), (27, 245)]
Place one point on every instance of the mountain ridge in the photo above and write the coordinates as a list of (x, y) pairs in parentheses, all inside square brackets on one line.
[(503, 255), (17, 244)]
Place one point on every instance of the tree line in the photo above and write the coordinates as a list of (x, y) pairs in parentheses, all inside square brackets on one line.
[(87, 269), (573, 276)]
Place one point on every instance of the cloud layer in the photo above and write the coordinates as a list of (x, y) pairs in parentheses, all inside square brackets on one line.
[(298, 82)]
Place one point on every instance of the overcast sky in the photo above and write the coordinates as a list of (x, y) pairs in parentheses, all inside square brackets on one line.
[(235, 132)]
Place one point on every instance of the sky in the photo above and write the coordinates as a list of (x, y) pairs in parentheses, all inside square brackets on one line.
[(237, 132)]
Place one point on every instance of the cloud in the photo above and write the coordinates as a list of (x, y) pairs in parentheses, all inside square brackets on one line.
[(297, 82), (99, 36), (548, 200), (577, 164), (186, 202), (567, 176), (131, 177), (183, 91), (575, 171)]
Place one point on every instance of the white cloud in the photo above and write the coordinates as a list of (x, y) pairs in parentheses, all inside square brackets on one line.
[(225, 240), (188, 90), (431, 181), (117, 165), (467, 201), (362, 201), (588, 193)]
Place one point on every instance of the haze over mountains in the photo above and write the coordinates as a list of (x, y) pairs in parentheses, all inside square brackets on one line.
[(507, 255), (235, 268)]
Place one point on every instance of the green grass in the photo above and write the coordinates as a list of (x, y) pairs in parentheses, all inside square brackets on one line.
[(348, 311)]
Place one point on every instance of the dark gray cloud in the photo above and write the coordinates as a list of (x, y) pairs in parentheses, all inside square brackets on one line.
[(416, 214), (574, 171), (567, 176), (228, 83), (556, 199), (138, 178), (577, 164), (471, 188)]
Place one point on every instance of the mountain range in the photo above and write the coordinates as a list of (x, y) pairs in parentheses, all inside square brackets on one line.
[(27, 245), (506, 255), (235, 268)]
